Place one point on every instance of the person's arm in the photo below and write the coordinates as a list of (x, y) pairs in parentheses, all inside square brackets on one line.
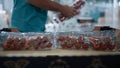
[(46, 4), (53, 6)]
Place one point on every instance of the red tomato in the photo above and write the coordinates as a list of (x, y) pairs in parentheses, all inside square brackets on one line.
[(103, 46), (17, 47), (26, 46), (12, 47), (49, 45), (96, 46), (78, 45), (61, 38), (74, 40), (111, 46), (69, 45), (44, 39), (4, 46), (85, 46), (64, 45)]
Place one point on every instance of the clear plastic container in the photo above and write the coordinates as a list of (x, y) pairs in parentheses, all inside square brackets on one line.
[(40, 41), (97, 40), (27, 41), (72, 40), (63, 39), (103, 41), (2, 39), (78, 4), (118, 40), (13, 41)]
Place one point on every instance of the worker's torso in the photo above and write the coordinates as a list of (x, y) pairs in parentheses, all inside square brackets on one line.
[(28, 18)]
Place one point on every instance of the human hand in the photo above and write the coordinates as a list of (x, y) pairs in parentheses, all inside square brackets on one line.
[(68, 12)]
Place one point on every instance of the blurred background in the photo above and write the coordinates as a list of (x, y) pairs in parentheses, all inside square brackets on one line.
[(94, 13)]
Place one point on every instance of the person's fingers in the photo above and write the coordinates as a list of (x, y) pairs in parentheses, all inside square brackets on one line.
[(74, 13), (69, 12)]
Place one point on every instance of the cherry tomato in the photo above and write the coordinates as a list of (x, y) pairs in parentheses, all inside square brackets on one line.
[(78, 45), (85, 46)]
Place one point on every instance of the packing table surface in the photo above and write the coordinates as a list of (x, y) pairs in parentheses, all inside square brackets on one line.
[(55, 52)]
